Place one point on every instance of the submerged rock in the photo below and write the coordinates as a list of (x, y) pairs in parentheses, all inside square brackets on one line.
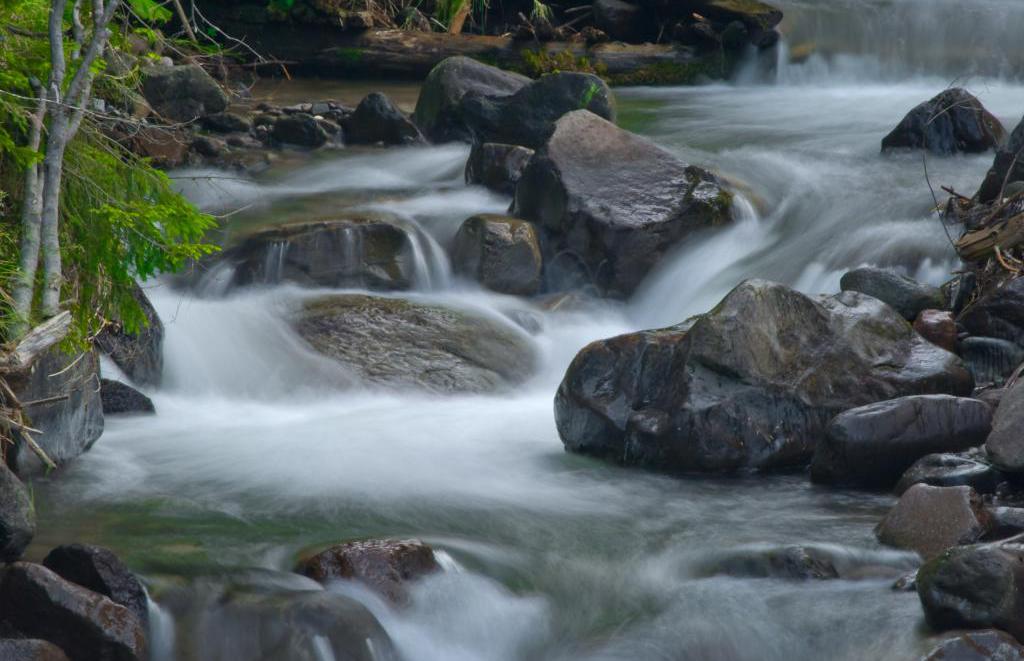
[(403, 343), (990, 645), (953, 121), (1005, 445), (614, 201), (99, 570), (17, 516), (499, 252), (386, 566), (968, 469), (930, 520), (750, 384), (139, 354), (183, 93), (438, 110), (873, 445), (497, 166), (906, 296), (787, 562), (378, 120), (119, 399)]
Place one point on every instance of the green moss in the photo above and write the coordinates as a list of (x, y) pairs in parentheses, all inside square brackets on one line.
[(709, 67), (536, 63), (349, 56)]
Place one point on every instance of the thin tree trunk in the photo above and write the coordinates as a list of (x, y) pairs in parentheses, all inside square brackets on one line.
[(53, 166), (185, 22), (31, 212)]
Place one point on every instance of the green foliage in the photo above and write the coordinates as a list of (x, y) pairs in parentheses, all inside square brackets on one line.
[(150, 10), (536, 63), (541, 10)]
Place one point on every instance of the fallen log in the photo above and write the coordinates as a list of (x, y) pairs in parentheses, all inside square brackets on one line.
[(979, 244)]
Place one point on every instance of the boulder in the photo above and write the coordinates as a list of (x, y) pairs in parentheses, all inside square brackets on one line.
[(938, 327), (164, 147), (496, 166), (749, 385), (906, 296), (499, 252), (975, 587), (970, 469), (988, 645), (27, 649), (408, 344), (930, 520), (17, 516), (990, 359), (99, 570), (952, 122), (386, 566), (1007, 168), (527, 117), (61, 398), (438, 111), (227, 122), (120, 398), (357, 253), (623, 21), (378, 120), (140, 353), (299, 129), (87, 626), (998, 314), (799, 563), (183, 93), (1005, 445), (873, 445), (613, 201)]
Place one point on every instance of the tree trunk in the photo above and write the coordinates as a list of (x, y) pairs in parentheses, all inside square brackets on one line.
[(31, 212), (53, 166)]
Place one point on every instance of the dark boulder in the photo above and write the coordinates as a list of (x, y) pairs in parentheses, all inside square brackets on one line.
[(969, 469), (27, 649), (975, 587), (930, 520), (499, 252), (386, 566), (751, 384), (99, 570), (998, 314), (497, 166), (614, 201), (408, 344), (952, 122), (1005, 445), (87, 626), (623, 21), (183, 93), (1007, 168), (873, 445), (906, 296), (363, 253), (990, 359), (989, 645), (438, 111), (120, 398), (527, 117), (17, 516), (938, 327), (227, 122), (299, 129), (378, 120), (139, 353)]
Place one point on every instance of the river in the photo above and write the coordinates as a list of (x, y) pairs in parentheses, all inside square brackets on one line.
[(255, 455)]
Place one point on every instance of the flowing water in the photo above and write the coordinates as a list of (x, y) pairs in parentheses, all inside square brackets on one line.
[(261, 448)]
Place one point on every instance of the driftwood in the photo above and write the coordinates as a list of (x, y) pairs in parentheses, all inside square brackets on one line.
[(977, 245), (38, 340)]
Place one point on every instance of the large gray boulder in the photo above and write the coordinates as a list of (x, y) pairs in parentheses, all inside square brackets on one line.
[(17, 516), (1005, 445), (183, 93), (873, 445), (140, 352), (407, 344), (500, 252), (953, 121), (930, 520), (907, 296), (613, 201), (528, 116), (749, 385), (438, 111)]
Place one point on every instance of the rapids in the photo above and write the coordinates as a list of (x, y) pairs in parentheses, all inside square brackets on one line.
[(256, 452)]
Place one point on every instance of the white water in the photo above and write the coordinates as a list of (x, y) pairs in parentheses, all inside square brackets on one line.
[(262, 448)]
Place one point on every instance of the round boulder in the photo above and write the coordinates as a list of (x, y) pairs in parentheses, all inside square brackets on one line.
[(183, 93), (930, 520), (496, 166), (906, 296), (954, 121), (500, 252), (938, 327)]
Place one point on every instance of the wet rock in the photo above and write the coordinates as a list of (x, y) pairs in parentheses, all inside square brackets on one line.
[(758, 17), (227, 122), (378, 120), (1006, 522), (17, 516), (408, 344), (990, 645), (299, 129), (998, 314), (952, 122), (164, 147), (99, 570), (623, 21), (970, 469), (751, 384), (183, 93), (363, 253), (87, 626), (30, 650), (906, 583), (438, 110), (1005, 445), (497, 166), (614, 201), (209, 147), (798, 563), (990, 360), (975, 587), (66, 409), (386, 566), (873, 445), (991, 396), (140, 353), (499, 252), (906, 296), (120, 398), (938, 327), (1007, 168), (930, 520), (527, 117)]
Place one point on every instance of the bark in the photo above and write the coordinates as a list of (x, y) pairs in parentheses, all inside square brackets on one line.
[(31, 211)]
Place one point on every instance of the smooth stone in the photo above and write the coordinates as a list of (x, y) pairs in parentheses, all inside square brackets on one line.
[(906, 296), (930, 520), (938, 327), (968, 469)]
